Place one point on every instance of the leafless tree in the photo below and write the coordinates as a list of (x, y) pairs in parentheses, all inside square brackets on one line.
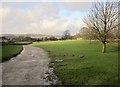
[(102, 19), (66, 35), (86, 33), (76, 36)]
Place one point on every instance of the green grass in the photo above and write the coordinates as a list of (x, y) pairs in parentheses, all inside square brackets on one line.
[(95, 68), (10, 51)]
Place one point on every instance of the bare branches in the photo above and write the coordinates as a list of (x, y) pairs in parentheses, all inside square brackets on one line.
[(102, 19), (66, 34)]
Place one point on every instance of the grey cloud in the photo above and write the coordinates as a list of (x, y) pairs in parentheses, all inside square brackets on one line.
[(43, 19), (79, 6)]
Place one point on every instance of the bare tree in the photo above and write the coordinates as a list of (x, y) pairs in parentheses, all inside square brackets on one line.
[(76, 36), (103, 18), (66, 35), (86, 33)]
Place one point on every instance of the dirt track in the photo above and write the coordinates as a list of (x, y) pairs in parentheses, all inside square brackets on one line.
[(28, 68)]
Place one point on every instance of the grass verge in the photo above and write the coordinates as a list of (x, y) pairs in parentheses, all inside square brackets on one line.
[(10, 51), (83, 63)]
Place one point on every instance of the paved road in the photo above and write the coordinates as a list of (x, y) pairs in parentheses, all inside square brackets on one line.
[(28, 68)]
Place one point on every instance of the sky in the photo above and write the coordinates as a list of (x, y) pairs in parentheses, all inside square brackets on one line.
[(51, 17)]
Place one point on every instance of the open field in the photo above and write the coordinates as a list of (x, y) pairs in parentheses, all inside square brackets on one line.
[(10, 51), (83, 63)]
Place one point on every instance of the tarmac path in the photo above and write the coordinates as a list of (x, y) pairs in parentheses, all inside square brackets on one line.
[(30, 67)]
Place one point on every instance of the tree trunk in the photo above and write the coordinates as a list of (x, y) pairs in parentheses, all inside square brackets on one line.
[(104, 48)]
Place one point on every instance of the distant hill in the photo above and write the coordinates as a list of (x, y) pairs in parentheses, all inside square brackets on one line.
[(28, 35)]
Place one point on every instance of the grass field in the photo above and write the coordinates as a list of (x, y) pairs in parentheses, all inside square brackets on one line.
[(83, 63), (10, 51)]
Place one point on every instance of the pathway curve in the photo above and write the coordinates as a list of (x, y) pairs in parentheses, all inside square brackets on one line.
[(28, 68)]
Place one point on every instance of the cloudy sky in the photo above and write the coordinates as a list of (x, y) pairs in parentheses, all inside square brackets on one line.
[(43, 16)]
